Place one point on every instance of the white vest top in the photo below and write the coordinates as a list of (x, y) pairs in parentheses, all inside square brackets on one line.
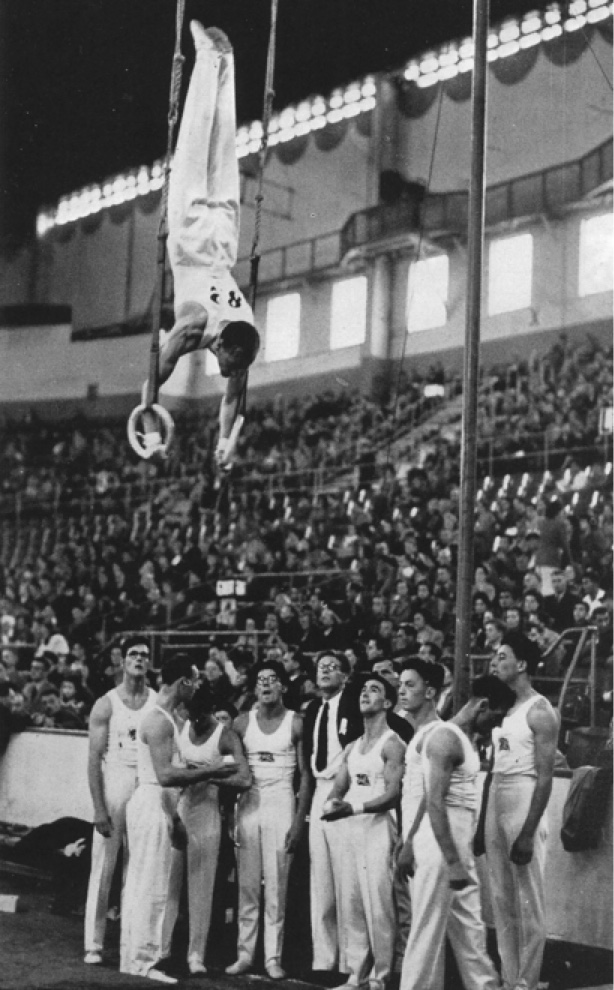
[(462, 792), (514, 743), (145, 768), (123, 726), (201, 753), (413, 777), (271, 758), (367, 770)]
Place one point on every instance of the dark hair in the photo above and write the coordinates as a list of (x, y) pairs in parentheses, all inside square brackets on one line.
[(553, 507), (41, 659), (129, 641), (337, 655), (5, 689), (278, 669), (202, 701), (436, 651), (175, 668), (244, 337), (226, 706), (432, 673), (390, 690), (524, 649), (499, 694)]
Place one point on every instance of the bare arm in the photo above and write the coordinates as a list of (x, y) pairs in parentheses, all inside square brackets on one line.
[(157, 732), (230, 745), (304, 791), (229, 405), (443, 752), (99, 736), (342, 780), (393, 754), (544, 725)]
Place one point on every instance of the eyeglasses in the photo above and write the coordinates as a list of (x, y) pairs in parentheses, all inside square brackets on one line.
[(140, 654), (328, 666), (267, 679)]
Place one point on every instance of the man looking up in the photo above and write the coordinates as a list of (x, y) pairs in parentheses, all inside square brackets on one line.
[(114, 721), (269, 820), (366, 788), (153, 824), (445, 890), (516, 824), (331, 722)]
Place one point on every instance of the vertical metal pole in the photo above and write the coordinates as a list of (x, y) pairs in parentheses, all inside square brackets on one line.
[(462, 665)]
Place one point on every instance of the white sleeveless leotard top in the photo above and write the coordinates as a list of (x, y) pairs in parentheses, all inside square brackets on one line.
[(123, 727), (145, 768), (271, 758), (367, 771), (201, 753), (514, 743), (462, 792), (413, 777)]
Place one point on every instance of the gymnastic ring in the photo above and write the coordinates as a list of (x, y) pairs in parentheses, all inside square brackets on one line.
[(136, 435)]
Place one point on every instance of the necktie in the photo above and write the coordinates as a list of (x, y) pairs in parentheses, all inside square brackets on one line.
[(322, 750)]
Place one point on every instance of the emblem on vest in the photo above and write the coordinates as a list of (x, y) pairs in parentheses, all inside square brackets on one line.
[(266, 757), (503, 744), (362, 779), (132, 735)]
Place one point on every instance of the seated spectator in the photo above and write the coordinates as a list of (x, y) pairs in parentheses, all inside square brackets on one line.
[(531, 605), (400, 606), (11, 720), (593, 595), (483, 584), (424, 632), (74, 695), (16, 678), (33, 690), (52, 714), (513, 619), (225, 713), (558, 607), (216, 676), (332, 635), (311, 637), (301, 682)]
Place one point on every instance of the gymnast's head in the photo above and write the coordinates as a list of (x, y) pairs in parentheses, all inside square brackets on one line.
[(237, 347)]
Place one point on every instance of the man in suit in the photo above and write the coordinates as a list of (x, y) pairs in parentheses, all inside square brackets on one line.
[(331, 722), (559, 606)]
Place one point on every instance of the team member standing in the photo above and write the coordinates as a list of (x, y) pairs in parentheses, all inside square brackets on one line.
[(445, 891), (202, 740), (331, 722), (366, 788), (419, 689), (154, 825), (516, 824), (211, 313), (268, 818), (112, 780)]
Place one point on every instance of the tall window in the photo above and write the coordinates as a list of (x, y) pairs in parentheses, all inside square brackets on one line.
[(427, 293), (283, 327), (348, 318), (596, 259), (510, 273)]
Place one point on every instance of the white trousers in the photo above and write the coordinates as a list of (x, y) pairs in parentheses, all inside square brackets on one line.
[(119, 786), (147, 881), (203, 209), (517, 892), (200, 814), (439, 911), (326, 872), (263, 823), (368, 909)]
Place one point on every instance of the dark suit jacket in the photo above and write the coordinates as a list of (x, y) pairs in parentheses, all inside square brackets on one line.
[(560, 612), (401, 726), (349, 722)]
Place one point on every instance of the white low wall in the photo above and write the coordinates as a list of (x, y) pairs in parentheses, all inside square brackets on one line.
[(43, 776)]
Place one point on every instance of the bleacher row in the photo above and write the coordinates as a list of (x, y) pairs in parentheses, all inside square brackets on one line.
[(340, 519)]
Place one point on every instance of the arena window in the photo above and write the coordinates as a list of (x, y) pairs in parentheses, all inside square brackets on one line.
[(596, 256), (283, 326), (427, 293), (348, 320), (510, 273)]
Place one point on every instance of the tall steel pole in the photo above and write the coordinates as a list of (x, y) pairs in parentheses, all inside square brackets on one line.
[(462, 665)]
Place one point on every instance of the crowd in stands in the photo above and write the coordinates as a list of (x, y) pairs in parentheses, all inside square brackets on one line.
[(94, 543)]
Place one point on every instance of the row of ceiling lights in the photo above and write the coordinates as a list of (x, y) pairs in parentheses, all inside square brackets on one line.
[(357, 98)]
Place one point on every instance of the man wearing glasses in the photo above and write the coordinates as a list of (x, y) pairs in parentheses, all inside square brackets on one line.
[(154, 826), (331, 722), (112, 779), (269, 819)]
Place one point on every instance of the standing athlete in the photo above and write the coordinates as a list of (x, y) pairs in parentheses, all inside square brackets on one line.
[(211, 312), (365, 791), (516, 823), (269, 821), (112, 779)]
